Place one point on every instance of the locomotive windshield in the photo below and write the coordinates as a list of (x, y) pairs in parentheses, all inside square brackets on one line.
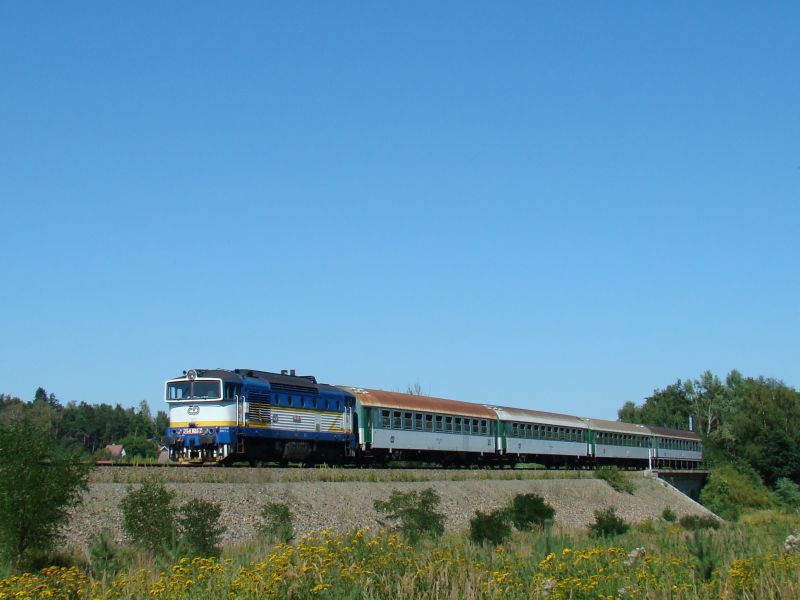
[(193, 390)]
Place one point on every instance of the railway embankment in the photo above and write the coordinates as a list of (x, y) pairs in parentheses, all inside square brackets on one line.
[(342, 499)]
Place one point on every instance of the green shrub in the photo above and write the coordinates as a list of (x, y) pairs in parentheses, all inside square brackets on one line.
[(788, 492), (277, 522), (616, 479), (105, 556), (529, 510), (731, 490), (415, 513), (492, 528), (669, 515), (148, 516), (607, 523), (698, 522), (198, 522), (705, 553)]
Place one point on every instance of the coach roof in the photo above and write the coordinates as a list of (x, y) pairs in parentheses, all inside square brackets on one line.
[(673, 433), (398, 401), (537, 416)]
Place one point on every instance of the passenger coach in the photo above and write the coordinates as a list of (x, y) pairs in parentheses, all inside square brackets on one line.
[(409, 427)]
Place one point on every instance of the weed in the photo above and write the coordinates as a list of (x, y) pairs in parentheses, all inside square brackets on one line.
[(490, 528), (698, 522), (198, 521), (415, 512), (615, 478), (105, 555), (607, 523), (669, 515), (277, 522), (529, 510)]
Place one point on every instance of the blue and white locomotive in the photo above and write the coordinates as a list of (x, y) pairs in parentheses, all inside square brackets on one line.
[(219, 415)]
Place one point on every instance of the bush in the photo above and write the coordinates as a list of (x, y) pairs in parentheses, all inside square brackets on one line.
[(198, 522), (148, 516), (788, 492), (37, 487), (529, 510), (490, 528), (669, 515), (106, 556), (615, 478), (607, 523), (698, 522), (277, 522), (415, 512), (732, 489)]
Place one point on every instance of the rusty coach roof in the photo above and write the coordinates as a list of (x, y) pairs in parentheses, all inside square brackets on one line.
[(673, 433), (396, 400)]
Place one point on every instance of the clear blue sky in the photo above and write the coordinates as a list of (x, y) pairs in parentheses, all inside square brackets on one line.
[(551, 205)]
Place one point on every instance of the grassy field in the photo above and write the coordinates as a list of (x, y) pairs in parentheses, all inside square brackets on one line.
[(657, 560)]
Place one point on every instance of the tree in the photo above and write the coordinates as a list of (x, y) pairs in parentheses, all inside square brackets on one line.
[(38, 484), (148, 516)]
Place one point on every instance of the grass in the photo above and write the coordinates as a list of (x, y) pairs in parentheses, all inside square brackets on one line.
[(138, 474), (740, 560)]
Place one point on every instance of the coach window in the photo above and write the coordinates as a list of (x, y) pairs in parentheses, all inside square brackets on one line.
[(475, 426), (439, 423), (457, 426), (448, 424), (407, 424), (396, 422), (428, 422), (514, 430), (484, 429), (418, 421), (385, 420), (467, 426)]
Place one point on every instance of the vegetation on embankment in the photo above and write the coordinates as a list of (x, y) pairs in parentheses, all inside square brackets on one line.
[(655, 559)]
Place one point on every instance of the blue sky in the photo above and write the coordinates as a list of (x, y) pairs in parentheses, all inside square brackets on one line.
[(546, 205)]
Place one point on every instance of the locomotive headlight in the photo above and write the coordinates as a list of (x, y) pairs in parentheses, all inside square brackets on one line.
[(191, 374)]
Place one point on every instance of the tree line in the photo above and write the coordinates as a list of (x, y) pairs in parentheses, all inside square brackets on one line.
[(755, 421), (86, 429)]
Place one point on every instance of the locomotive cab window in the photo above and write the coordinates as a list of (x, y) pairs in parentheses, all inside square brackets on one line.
[(194, 390)]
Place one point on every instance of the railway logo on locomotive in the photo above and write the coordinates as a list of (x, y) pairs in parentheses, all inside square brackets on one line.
[(194, 409)]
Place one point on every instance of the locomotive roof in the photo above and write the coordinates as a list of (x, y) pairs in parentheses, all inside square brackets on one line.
[(298, 383), (673, 433), (396, 400), (524, 415)]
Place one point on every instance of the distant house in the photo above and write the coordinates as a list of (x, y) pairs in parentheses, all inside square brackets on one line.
[(115, 450)]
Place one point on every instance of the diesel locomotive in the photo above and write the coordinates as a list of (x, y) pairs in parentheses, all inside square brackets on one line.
[(222, 416)]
